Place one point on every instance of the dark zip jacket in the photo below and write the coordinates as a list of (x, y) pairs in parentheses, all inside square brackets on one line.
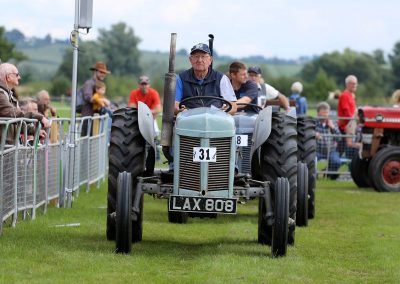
[(192, 87)]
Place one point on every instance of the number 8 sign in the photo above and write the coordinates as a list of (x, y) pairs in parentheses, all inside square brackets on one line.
[(241, 140)]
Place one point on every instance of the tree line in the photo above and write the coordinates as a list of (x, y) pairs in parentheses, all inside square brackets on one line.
[(118, 47)]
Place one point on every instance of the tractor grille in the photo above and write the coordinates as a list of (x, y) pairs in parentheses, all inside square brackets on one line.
[(218, 173), (245, 153), (189, 174)]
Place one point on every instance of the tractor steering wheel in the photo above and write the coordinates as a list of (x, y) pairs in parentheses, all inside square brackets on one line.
[(254, 107), (227, 103)]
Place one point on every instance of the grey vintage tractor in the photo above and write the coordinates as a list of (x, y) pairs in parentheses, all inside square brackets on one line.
[(294, 166), (204, 180)]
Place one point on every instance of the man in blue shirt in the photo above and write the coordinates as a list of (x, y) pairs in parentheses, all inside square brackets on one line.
[(202, 80), (301, 102), (246, 91)]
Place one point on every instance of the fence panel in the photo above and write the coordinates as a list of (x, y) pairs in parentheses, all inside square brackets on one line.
[(34, 173), (25, 178), (334, 153)]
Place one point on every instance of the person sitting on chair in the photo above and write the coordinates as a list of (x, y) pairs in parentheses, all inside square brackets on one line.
[(327, 135)]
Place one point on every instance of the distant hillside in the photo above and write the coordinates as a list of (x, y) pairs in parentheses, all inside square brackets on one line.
[(44, 61), (46, 54), (150, 59)]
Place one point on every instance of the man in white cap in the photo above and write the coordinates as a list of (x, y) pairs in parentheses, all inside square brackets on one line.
[(266, 91)]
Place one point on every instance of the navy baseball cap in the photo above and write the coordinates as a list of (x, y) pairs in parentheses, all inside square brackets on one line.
[(201, 47), (254, 69)]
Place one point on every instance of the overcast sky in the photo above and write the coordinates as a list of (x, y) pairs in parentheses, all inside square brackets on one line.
[(282, 28)]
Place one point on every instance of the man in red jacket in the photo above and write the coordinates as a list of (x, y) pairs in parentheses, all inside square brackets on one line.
[(346, 109), (347, 104), (147, 95)]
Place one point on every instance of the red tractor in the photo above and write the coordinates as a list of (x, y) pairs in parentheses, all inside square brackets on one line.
[(378, 164)]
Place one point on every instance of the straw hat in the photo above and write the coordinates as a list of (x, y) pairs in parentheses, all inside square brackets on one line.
[(100, 66)]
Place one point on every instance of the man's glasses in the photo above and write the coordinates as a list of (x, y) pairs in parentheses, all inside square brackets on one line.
[(143, 84), (202, 57), (16, 74)]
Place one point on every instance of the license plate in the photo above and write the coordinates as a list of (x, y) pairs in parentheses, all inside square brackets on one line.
[(202, 204)]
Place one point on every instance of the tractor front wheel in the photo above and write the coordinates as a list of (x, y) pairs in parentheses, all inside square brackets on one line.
[(127, 154), (281, 218), (384, 169), (123, 216)]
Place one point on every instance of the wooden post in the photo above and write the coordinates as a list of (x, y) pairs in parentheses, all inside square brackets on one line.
[(96, 125), (53, 132)]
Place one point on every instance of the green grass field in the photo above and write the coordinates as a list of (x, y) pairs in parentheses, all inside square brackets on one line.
[(353, 239)]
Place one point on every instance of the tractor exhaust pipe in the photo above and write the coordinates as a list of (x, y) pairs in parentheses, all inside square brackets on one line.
[(211, 46), (169, 102)]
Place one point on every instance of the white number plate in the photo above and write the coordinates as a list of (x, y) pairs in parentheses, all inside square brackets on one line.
[(241, 140), (204, 154), (202, 204)]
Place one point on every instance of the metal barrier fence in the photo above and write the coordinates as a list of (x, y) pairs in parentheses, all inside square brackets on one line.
[(333, 153), (34, 171)]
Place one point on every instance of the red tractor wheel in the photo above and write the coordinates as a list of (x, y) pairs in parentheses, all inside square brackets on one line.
[(384, 169)]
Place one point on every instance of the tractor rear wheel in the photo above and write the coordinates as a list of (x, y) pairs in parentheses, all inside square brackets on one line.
[(307, 153), (302, 195)]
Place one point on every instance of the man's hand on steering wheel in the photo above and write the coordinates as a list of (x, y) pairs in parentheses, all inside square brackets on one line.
[(251, 106), (182, 108), (226, 107)]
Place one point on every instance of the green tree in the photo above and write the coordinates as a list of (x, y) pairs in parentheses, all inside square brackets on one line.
[(15, 36), (7, 49), (365, 66), (322, 85), (379, 56), (282, 84), (89, 53), (119, 46), (182, 52), (119, 87), (61, 85), (394, 59)]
